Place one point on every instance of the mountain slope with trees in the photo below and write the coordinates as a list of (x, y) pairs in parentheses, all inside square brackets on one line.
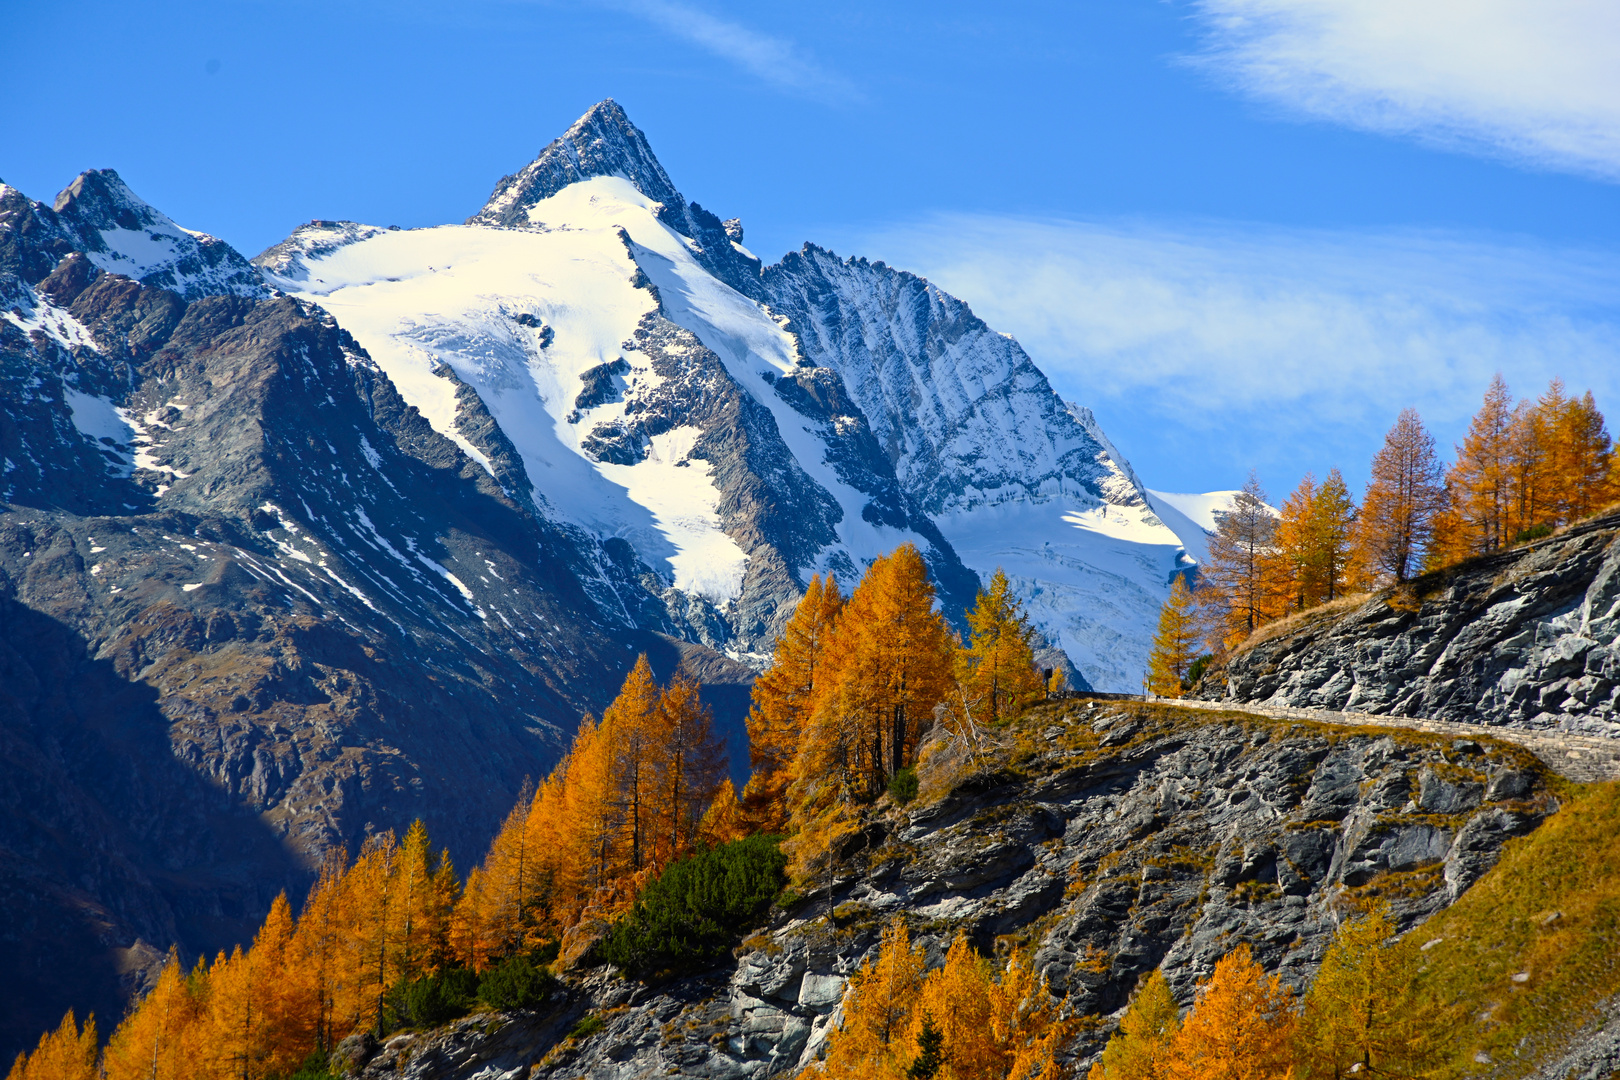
[(1248, 886)]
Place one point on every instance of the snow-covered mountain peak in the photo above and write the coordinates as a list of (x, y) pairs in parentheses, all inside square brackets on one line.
[(616, 359), (123, 234), (603, 142)]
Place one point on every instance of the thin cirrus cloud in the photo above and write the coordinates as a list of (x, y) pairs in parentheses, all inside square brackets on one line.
[(770, 59), (1271, 345), (1538, 83)]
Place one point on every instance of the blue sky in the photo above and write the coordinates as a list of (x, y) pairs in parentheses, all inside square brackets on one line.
[(1246, 232)]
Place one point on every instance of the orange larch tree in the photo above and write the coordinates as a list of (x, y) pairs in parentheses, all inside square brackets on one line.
[(1141, 1046), (694, 763), (1404, 494), (1176, 643), (1480, 491), (286, 1010), (878, 1012), (1531, 462), (510, 887), (995, 672), (226, 1039), (1241, 1027), (888, 664), (150, 1043), (1579, 456), (898, 664), (64, 1054), (639, 755), (427, 894), (1290, 571), (1240, 562), (784, 698), (314, 950), (372, 913), (1337, 569), (726, 819), (593, 811), (969, 1020)]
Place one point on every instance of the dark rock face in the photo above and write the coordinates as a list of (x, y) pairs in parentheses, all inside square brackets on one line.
[(113, 848), (1528, 638), (32, 239), (1124, 839), (256, 609)]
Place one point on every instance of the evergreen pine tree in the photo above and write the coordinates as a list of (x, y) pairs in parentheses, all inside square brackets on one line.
[(930, 1051)]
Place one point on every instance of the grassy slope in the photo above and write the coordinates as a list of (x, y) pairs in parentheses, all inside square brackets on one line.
[(1551, 910)]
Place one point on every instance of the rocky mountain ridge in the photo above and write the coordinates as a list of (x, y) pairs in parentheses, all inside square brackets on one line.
[(358, 530)]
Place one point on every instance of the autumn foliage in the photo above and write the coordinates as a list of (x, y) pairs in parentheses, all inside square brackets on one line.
[(784, 698), (985, 1021), (1524, 466), (887, 662), (1175, 646), (1523, 469), (1359, 1018), (857, 683), (972, 1018)]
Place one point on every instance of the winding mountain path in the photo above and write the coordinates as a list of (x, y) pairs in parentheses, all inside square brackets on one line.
[(1581, 758)]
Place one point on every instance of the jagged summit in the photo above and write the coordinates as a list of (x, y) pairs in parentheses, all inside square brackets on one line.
[(603, 142), (123, 234)]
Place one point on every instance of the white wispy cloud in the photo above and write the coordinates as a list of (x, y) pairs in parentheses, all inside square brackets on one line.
[(1243, 345), (771, 59), (1533, 80)]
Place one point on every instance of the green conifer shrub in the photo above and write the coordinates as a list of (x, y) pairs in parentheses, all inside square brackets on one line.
[(697, 909), (516, 984)]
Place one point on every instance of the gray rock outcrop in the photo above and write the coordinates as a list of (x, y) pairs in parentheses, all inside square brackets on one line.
[(1526, 638)]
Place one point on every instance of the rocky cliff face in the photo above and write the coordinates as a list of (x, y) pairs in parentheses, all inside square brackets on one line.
[(1526, 638), (1109, 839)]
